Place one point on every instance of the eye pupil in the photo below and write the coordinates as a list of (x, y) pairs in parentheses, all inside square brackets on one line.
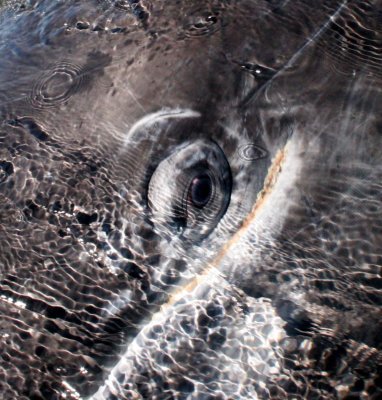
[(201, 190)]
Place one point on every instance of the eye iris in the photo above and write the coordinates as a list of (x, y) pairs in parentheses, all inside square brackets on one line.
[(200, 190)]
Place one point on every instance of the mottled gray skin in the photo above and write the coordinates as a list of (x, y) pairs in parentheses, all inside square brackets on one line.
[(112, 284)]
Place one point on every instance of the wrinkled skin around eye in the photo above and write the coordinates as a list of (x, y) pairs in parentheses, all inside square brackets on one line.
[(172, 188)]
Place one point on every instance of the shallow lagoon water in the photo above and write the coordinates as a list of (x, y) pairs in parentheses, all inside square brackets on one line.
[(190, 199)]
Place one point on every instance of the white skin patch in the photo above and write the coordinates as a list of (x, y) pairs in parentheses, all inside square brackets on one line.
[(159, 118), (270, 216)]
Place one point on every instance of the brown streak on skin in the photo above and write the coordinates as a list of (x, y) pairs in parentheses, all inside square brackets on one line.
[(262, 197), (269, 183)]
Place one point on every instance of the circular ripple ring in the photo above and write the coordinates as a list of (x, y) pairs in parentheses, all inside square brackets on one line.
[(56, 85)]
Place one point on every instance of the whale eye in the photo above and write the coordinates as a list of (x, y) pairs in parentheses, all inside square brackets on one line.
[(201, 190), (190, 190)]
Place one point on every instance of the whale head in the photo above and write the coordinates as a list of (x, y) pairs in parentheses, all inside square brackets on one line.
[(190, 199)]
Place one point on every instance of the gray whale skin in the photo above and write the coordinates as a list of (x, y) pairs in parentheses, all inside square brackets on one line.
[(190, 199)]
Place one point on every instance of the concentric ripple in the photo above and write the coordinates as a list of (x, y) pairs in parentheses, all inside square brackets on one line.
[(201, 23), (251, 152), (56, 85)]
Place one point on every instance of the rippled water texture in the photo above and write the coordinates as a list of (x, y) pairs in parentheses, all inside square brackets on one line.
[(190, 199)]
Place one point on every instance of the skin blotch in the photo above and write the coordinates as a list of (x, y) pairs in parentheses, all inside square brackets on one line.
[(270, 181)]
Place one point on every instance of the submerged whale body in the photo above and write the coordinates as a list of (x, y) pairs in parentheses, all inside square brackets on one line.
[(190, 199)]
